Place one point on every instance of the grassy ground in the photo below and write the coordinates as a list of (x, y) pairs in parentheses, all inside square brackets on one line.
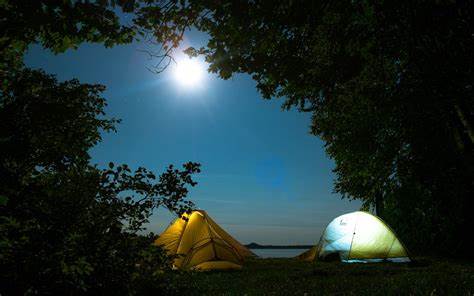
[(292, 277)]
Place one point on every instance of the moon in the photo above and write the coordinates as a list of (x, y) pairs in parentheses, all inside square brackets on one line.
[(189, 72)]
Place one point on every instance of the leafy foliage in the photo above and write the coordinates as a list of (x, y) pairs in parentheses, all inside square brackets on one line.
[(59, 25), (48, 124), (67, 225), (62, 25)]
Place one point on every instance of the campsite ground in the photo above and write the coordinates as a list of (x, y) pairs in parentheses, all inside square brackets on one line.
[(292, 277)]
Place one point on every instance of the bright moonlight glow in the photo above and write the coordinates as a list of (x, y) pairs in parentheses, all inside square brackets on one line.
[(189, 72)]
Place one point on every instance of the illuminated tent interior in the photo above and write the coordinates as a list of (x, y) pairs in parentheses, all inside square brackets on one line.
[(357, 237), (201, 244)]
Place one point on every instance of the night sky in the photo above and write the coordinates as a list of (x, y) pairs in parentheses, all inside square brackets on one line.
[(264, 178)]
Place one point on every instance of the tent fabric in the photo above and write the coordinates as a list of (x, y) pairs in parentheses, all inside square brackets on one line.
[(202, 244), (308, 255), (213, 265), (358, 237)]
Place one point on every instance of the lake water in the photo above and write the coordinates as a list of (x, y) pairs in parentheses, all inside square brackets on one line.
[(277, 253)]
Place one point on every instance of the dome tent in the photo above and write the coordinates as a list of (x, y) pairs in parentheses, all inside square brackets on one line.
[(202, 244), (358, 237)]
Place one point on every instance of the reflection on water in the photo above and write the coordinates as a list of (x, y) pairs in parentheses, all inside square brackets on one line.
[(277, 253)]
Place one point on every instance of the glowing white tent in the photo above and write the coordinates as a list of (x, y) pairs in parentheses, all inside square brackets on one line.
[(358, 237)]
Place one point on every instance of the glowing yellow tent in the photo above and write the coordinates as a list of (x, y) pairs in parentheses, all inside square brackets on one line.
[(202, 244), (358, 237)]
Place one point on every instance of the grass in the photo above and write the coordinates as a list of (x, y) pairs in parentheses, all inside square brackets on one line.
[(292, 277)]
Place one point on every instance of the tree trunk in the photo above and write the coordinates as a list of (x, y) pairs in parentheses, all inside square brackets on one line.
[(465, 123)]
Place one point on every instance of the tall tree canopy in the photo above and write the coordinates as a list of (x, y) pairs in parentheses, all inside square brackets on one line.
[(389, 85)]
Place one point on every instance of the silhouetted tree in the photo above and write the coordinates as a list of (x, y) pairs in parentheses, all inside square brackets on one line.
[(67, 226), (61, 25)]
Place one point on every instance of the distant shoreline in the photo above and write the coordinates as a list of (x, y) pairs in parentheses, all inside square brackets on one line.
[(257, 246)]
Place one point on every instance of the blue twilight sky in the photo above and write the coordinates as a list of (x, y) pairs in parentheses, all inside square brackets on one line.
[(264, 178)]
